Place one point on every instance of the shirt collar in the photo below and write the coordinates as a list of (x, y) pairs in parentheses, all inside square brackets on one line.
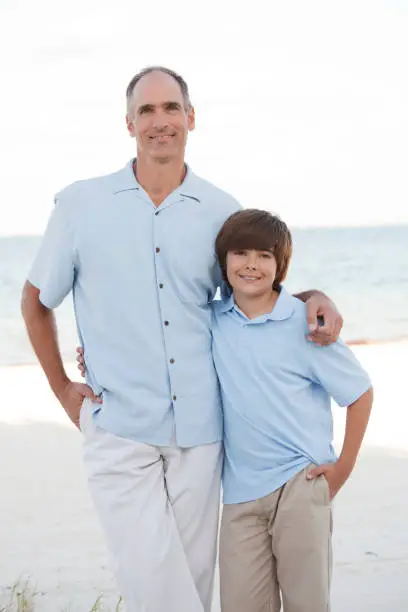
[(283, 309), (125, 180)]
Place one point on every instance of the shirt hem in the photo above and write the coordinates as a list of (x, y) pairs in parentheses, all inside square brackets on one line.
[(266, 490), (168, 441)]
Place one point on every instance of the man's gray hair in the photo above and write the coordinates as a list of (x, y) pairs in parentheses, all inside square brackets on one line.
[(148, 70)]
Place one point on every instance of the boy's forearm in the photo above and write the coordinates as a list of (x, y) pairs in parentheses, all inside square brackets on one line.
[(303, 296), (358, 415), (42, 331)]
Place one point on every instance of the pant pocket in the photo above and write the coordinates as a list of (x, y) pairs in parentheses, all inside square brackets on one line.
[(322, 480), (83, 413)]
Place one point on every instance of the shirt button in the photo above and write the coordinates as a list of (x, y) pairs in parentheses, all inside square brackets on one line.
[(174, 397), (156, 213), (161, 285), (166, 322), (171, 360), (157, 250)]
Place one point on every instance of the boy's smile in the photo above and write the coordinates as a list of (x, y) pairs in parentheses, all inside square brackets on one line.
[(251, 274), (246, 277)]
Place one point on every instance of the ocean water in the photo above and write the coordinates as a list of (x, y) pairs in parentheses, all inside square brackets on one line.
[(364, 270)]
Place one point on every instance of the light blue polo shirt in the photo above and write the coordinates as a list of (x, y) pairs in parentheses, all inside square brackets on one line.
[(143, 279), (276, 389)]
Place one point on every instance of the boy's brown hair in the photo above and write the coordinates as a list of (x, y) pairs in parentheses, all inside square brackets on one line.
[(258, 230)]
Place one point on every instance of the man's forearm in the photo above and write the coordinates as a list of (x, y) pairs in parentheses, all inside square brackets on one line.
[(358, 415), (303, 296), (42, 331)]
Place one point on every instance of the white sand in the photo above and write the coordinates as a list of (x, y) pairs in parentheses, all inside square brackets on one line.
[(48, 529)]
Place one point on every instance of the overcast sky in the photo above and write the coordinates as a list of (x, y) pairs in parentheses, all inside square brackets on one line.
[(301, 106)]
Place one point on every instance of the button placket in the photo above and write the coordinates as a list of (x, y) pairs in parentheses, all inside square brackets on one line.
[(162, 300)]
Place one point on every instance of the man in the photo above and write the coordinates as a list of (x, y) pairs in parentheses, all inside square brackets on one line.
[(137, 249)]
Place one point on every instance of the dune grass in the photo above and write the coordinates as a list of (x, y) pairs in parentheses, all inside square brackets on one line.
[(23, 595), (21, 598)]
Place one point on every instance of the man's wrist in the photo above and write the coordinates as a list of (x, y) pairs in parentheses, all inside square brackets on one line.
[(304, 296), (59, 386)]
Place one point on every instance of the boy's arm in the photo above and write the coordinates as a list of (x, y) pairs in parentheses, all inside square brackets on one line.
[(336, 474), (319, 307)]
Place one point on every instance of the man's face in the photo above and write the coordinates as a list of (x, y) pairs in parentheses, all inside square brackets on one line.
[(251, 272), (158, 118)]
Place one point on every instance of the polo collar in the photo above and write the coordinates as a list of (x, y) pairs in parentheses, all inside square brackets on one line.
[(125, 180), (283, 309), (227, 303)]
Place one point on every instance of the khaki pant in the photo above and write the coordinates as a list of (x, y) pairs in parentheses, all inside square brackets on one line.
[(278, 548)]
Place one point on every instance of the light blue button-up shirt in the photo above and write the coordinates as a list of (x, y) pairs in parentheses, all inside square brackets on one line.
[(143, 278), (276, 389)]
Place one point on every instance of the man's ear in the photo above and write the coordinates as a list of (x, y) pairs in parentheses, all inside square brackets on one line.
[(130, 126), (191, 118)]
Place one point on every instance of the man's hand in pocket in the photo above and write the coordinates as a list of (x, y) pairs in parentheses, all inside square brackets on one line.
[(72, 396)]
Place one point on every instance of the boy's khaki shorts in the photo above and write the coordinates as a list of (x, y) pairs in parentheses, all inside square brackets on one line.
[(278, 548)]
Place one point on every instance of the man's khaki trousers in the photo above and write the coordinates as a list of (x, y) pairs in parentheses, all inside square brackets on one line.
[(277, 549)]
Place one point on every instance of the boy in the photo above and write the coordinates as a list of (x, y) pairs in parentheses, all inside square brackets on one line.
[(280, 471)]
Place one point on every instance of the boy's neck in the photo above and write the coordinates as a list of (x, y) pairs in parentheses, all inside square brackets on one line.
[(255, 306)]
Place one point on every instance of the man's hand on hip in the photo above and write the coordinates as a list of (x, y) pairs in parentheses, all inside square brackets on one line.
[(72, 397)]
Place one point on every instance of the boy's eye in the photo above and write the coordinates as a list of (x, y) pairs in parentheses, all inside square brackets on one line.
[(239, 252), (267, 255)]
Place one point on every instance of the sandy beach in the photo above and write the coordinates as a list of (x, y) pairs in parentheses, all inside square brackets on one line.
[(49, 532)]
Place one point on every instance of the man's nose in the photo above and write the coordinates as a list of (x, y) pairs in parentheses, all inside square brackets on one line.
[(160, 121)]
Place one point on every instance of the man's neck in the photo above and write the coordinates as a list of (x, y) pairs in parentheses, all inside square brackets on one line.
[(159, 180), (255, 306)]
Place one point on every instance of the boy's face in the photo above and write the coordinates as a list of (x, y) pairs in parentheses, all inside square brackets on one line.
[(251, 272)]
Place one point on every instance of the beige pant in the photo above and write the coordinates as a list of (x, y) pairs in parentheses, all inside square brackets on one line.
[(278, 547)]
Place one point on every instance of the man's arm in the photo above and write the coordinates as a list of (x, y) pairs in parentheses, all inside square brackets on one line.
[(303, 296), (42, 331), (50, 280), (323, 319)]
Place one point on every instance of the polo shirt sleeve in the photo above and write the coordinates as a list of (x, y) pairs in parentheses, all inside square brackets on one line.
[(337, 370), (53, 270)]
